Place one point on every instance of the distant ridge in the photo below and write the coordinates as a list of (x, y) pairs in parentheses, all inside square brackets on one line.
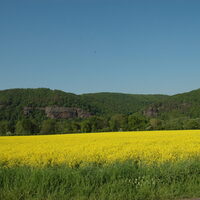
[(12, 102)]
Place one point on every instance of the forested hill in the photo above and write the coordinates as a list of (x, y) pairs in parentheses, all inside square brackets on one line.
[(13, 102), (176, 106), (46, 111), (119, 103)]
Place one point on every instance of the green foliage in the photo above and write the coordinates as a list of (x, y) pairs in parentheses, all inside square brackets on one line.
[(179, 106), (98, 123), (86, 126), (156, 124), (119, 103), (123, 180), (62, 126), (26, 127), (4, 128), (119, 122), (111, 111), (192, 124), (13, 101), (137, 122), (75, 127), (48, 127)]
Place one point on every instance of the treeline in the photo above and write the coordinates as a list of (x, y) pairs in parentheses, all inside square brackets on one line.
[(118, 122), (111, 112)]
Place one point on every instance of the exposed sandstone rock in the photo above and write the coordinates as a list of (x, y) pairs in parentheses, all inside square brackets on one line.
[(156, 109), (151, 111), (27, 110), (56, 112)]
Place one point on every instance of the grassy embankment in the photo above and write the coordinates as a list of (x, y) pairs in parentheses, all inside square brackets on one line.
[(117, 181)]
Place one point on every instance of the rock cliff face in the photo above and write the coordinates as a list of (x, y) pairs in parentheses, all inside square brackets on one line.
[(156, 109), (152, 111), (65, 113), (59, 112)]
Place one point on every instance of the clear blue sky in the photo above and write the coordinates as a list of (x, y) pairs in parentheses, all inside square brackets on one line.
[(83, 46)]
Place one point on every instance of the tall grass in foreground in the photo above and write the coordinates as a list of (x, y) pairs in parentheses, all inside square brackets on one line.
[(117, 181)]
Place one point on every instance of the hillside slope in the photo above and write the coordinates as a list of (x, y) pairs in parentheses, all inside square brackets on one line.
[(14, 102), (119, 103), (45, 111), (179, 105)]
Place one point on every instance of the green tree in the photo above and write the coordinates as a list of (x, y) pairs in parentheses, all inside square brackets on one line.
[(192, 124), (68, 127), (137, 122), (118, 122), (86, 126), (4, 127), (48, 126), (174, 124), (25, 127), (97, 123), (75, 127), (156, 124)]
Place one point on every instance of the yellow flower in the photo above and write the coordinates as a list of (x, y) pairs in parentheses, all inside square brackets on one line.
[(73, 149)]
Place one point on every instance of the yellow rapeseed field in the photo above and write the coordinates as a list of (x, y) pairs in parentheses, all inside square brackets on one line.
[(73, 149)]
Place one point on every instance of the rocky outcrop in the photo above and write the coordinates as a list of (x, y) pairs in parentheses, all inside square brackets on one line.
[(55, 112), (152, 111), (156, 109), (65, 113)]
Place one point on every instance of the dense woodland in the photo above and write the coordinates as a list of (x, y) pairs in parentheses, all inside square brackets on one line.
[(109, 112)]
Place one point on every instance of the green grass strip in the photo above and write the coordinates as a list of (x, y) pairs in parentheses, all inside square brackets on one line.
[(117, 181)]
